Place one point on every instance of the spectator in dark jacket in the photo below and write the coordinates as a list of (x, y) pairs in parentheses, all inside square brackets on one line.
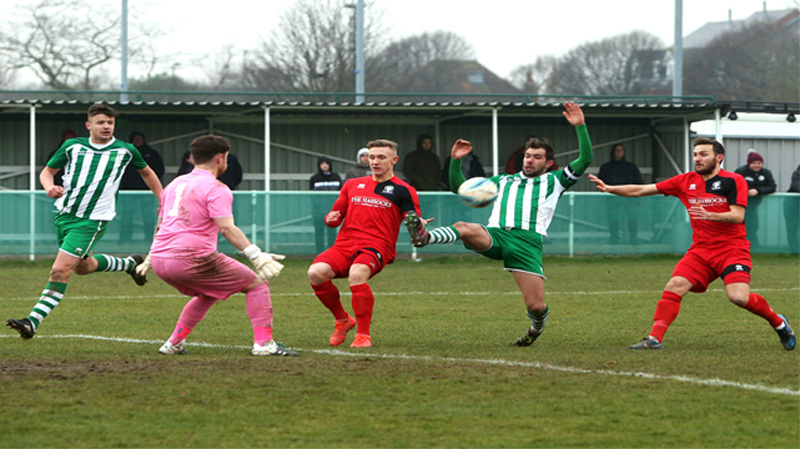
[(759, 182), (618, 171), (324, 180), (470, 165), (422, 167), (231, 178), (144, 206)]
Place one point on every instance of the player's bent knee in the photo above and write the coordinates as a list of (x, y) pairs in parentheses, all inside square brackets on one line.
[(319, 273)]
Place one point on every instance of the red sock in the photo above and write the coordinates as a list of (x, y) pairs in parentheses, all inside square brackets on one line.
[(328, 294), (667, 310), (363, 301), (759, 306)]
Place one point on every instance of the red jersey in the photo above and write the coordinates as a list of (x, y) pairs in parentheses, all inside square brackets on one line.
[(715, 195), (373, 212)]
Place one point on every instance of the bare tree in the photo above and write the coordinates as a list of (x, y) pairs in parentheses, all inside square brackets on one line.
[(612, 66), (223, 69), (312, 51), (760, 62), (399, 66), (536, 78), (65, 43)]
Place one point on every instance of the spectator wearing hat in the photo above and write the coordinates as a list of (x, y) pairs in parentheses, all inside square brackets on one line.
[(759, 183)]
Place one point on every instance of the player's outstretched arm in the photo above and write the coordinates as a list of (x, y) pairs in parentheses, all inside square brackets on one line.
[(629, 190), (265, 264), (456, 175)]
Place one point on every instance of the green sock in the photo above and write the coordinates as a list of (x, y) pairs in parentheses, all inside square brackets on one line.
[(538, 320), (448, 234), (51, 297), (111, 263)]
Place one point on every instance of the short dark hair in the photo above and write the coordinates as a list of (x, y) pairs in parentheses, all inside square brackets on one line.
[(204, 148), (382, 143), (539, 142), (718, 148), (100, 108)]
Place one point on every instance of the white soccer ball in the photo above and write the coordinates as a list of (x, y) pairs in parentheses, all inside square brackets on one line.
[(477, 192)]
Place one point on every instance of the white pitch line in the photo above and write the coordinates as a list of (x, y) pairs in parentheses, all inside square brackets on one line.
[(466, 293), (502, 362)]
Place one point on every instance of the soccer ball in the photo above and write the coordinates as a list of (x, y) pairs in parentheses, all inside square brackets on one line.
[(477, 192)]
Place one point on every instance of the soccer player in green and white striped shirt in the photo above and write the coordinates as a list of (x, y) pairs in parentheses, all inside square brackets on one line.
[(520, 216), (93, 168)]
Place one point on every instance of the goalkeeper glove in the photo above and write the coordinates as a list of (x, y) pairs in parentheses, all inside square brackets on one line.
[(266, 265), (143, 268)]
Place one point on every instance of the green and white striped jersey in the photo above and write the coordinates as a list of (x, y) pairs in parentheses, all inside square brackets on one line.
[(529, 203), (92, 174)]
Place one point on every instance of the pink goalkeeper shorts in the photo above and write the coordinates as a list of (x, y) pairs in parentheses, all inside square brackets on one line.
[(215, 275)]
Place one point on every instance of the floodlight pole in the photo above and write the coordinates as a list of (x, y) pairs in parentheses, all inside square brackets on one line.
[(359, 51), (123, 85), (677, 76)]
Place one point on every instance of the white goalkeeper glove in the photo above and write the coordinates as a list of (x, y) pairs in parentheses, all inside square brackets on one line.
[(266, 265), (143, 268)]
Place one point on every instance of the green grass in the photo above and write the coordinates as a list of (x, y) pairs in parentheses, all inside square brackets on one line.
[(442, 371)]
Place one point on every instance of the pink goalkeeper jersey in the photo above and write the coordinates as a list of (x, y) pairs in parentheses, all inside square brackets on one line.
[(189, 205)]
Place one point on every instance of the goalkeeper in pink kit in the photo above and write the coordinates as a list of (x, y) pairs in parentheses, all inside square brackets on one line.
[(194, 207)]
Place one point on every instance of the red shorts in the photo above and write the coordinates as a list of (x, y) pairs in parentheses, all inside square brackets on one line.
[(341, 258), (215, 275), (701, 266)]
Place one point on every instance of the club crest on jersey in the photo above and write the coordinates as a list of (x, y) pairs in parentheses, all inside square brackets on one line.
[(692, 186), (389, 190), (716, 185)]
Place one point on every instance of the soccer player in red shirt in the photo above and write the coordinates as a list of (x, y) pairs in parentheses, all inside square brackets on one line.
[(716, 200), (370, 210)]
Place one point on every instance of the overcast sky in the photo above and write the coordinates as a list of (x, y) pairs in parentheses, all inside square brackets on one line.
[(504, 33)]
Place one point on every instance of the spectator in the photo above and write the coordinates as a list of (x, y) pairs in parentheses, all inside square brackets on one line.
[(141, 204), (422, 166), (618, 171), (470, 165), (362, 165), (791, 212), (514, 163), (65, 135), (759, 183), (324, 180), (231, 178)]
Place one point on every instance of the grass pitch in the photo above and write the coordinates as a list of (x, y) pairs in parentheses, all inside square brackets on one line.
[(442, 373)]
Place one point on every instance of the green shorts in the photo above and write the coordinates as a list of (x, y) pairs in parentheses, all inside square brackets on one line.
[(518, 249), (77, 236)]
